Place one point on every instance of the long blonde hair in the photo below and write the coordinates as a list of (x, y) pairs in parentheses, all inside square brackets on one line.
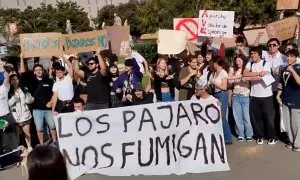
[(166, 71)]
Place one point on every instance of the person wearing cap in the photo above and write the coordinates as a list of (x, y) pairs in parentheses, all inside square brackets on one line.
[(202, 90), (97, 86), (128, 79), (139, 96)]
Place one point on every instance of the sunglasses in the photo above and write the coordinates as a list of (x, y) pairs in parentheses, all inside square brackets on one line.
[(272, 45), (91, 64)]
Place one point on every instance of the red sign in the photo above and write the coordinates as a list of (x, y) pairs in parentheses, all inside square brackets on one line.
[(188, 25)]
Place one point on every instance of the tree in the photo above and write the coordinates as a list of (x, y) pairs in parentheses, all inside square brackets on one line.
[(126, 11), (157, 14), (48, 18)]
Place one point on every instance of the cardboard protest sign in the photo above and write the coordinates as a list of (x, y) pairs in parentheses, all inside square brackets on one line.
[(188, 25), (228, 42), (287, 4), (216, 23), (252, 34), (117, 34), (85, 42), (171, 41), (153, 139), (283, 29), (41, 44)]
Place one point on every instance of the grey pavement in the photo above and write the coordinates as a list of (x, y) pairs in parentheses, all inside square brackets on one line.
[(247, 161)]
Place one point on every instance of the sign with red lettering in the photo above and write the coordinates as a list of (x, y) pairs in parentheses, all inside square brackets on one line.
[(216, 23), (188, 25)]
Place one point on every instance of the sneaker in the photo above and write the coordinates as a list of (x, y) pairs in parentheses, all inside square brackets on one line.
[(272, 141), (249, 139), (289, 146), (240, 138), (260, 141), (296, 149)]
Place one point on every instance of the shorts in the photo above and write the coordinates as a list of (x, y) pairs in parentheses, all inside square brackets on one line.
[(43, 115)]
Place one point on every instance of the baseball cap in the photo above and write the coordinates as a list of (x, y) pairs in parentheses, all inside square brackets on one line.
[(138, 86), (129, 62)]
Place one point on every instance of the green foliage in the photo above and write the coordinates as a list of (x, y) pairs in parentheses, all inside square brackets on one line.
[(126, 11), (148, 49)]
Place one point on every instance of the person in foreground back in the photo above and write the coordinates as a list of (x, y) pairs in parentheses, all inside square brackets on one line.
[(46, 163)]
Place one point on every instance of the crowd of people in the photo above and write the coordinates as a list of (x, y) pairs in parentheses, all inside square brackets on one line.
[(261, 87)]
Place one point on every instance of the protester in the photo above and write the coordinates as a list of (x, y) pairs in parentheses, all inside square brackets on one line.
[(141, 61), (63, 91), (97, 81), (113, 75), (240, 46), (40, 87), (219, 83), (261, 98), (8, 136), (19, 99), (288, 96), (203, 91), (139, 96), (240, 99), (79, 105), (187, 79), (128, 79), (276, 60), (164, 82), (46, 163)]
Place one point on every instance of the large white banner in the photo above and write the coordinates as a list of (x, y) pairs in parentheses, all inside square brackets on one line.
[(216, 23), (154, 139)]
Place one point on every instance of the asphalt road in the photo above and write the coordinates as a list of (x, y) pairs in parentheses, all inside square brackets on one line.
[(247, 161)]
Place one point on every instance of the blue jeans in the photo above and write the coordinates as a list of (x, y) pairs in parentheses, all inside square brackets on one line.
[(240, 108), (39, 117), (223, 98)]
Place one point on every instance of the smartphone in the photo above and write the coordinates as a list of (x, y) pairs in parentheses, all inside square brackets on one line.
[(10, 159)]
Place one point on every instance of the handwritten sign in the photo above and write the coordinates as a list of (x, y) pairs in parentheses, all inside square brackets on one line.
[(216, 23), (252, 34), (287, 4), (171, 41), (116, 35), (85, 42), (154, 139), (41, 44), (188, 25), (283, 29)]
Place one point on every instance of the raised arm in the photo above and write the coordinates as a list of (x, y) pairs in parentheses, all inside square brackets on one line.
[(77, 71), (70, 67), (102, 64), (22, 64)]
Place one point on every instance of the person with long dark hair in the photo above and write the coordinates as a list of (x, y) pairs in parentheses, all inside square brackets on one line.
[(46, 163), (19, 99), (219, 82), (240, 98)]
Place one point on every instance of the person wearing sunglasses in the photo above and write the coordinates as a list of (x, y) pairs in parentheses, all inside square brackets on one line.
[(277, 61), (97, 82)]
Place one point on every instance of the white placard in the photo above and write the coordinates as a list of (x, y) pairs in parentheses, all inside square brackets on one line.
[(216, 23), (171, 41), (154, 139)]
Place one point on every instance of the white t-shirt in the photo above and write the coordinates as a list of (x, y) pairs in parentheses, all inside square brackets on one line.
[(64, 88), (4, 110), (218, 79), (276, 63), (259, 88), (139, 59)]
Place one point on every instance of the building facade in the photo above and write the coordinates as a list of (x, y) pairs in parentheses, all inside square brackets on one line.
[(90, 6)]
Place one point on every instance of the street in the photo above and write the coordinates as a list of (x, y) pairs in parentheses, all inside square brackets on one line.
[(247, 161)]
